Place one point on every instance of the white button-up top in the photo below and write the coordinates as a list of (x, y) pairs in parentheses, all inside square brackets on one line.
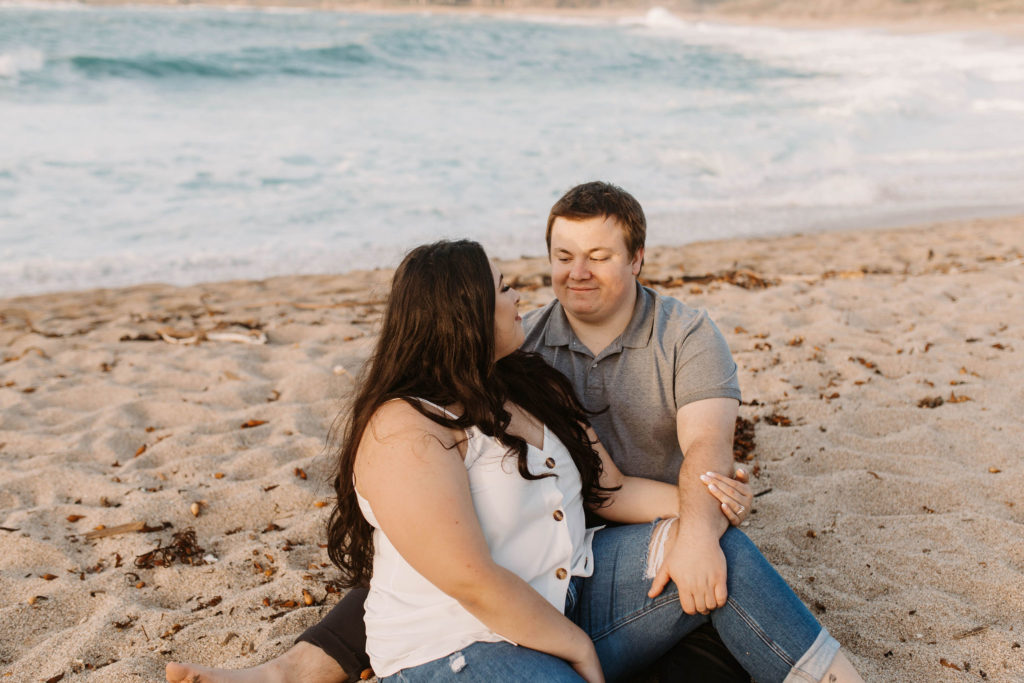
[(534, 528)]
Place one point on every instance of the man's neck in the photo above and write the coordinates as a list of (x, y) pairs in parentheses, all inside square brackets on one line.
[(596, 336)]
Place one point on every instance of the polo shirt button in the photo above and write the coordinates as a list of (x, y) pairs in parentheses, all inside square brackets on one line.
[(550, 463), (561, 574), (558, 516)]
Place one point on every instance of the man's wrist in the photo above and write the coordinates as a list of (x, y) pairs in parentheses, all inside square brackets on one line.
[(696, 531)]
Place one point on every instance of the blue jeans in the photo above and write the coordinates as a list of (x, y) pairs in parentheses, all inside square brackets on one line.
[(763, 624)]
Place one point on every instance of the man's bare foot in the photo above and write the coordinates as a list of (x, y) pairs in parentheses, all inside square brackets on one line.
[(303, 662)]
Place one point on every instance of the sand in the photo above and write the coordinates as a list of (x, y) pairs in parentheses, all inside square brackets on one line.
[(897, 518)]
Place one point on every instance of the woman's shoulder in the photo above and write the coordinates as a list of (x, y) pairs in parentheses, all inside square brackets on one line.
[(398, 419)]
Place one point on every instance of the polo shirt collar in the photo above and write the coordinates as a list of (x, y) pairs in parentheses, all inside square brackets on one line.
[(637, 334), (558, 332)]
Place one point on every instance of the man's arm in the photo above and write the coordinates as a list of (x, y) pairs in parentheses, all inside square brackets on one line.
[(695, 562), (637, 500)]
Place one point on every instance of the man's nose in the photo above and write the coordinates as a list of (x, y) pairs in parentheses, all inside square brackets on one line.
[(579, 270)]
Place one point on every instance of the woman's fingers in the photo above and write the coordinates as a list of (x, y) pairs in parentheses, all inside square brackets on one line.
[(723, 494), (734, 486), (726, 496), (730, 515), (734, 496)]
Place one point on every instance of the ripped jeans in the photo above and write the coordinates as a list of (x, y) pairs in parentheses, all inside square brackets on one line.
[(764, 624)]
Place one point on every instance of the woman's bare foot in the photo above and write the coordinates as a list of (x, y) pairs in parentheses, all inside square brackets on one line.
[(303, 662)]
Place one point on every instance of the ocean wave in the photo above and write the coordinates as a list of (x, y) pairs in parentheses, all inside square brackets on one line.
[(321, 61), (149, 66), (19, 61)]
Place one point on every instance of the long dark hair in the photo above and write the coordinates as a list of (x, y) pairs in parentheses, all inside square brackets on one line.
[(437, 343)]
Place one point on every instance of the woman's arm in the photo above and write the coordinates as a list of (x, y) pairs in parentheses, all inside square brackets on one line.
[(419, 492), (637, 499), (642, 500)]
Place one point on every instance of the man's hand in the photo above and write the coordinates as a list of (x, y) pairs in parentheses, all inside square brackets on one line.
[(695, 562), (734, 495)]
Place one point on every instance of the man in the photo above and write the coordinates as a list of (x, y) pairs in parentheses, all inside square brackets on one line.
[(668, 381), (666, 377)]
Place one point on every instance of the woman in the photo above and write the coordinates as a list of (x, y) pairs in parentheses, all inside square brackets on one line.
[(463, 481)]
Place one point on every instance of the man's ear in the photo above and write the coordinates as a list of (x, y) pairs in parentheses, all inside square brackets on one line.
[(638, 261)]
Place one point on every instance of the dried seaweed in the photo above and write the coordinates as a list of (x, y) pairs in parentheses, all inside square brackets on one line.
[(972, 632), (183, 548), (777, 420), (212, 602), (743, 440), (747, 279), (526, 283), (127, 623)]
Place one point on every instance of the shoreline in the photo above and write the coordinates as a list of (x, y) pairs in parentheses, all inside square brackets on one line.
[(912, 221), (881, 370), (933, 17)]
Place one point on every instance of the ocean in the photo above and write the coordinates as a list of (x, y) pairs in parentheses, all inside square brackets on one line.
[(186, 144)]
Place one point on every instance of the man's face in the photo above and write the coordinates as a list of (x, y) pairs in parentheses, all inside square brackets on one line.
[(592, 271)]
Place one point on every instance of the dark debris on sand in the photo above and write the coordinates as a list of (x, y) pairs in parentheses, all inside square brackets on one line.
[(183, 548)]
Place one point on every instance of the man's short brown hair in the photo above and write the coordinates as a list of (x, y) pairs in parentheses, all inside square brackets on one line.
[(602, 199)]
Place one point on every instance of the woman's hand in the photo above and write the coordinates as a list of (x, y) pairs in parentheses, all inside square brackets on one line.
[(734, 495), (588, 666)]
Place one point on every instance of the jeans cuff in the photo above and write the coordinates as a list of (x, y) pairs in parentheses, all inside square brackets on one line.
[(816, 661)]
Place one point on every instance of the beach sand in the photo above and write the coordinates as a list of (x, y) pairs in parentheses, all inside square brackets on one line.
[(882, 371)]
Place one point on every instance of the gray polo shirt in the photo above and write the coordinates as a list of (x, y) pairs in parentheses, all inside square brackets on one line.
[(669, 355)]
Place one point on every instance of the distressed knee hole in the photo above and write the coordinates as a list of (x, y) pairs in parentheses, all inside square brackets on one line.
[(457, 662), (656, 551)]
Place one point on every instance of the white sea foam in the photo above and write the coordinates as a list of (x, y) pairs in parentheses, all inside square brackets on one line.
[(1014, 106), (20, 60), (870, 70), (55, 6), (838, 189), (659, 17)]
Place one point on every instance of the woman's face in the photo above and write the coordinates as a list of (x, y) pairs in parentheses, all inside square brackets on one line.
[(508, 326)]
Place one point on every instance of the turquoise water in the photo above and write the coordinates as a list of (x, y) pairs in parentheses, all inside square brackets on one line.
[(189, 144)]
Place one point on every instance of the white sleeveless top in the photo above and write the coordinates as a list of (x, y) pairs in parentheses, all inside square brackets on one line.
[(535, 529)]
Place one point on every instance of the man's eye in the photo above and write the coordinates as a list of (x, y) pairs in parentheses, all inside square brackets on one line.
[(599, 259), (564, 259)]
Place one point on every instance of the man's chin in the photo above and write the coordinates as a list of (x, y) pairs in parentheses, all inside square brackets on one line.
[(583, 312)]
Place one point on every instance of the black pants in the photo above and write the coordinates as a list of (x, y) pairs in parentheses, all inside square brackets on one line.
[(701, 657)]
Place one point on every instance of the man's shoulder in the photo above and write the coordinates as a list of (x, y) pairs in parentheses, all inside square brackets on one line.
[(672, 316), (535, 324)]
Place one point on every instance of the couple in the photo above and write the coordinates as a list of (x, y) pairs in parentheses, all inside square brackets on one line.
[(469, 466)]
